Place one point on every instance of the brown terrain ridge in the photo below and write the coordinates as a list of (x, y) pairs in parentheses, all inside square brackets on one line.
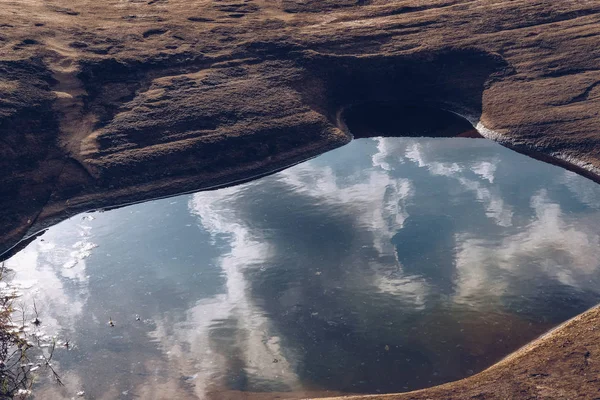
[(104, 103)]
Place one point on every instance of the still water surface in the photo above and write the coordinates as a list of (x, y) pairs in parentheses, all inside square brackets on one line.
[(390, 264)]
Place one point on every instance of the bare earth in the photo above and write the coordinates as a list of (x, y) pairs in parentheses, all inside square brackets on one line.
[(115, 101)]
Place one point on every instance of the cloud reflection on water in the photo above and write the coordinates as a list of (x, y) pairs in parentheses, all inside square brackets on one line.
[(414, 258)]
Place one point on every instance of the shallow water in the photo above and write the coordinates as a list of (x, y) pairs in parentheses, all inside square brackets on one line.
[(390, 264)]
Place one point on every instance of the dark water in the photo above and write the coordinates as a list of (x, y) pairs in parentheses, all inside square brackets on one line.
[(386, 265)]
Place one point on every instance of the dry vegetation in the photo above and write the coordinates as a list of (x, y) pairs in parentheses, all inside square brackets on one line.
[(23, 349)]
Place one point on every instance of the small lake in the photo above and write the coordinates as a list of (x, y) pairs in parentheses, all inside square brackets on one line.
[(390, 264)]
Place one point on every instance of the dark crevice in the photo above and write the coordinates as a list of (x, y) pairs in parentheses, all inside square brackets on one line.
[(392, 119), (451, 80)]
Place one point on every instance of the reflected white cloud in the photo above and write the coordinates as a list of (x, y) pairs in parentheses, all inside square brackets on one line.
[(387, 148), (495, 207), (44, 270), (255, 341), (202, 342), (425, 154), (582, 189), (376, 203), (44, 265), (556, 246), (376, 200), (485, 169)]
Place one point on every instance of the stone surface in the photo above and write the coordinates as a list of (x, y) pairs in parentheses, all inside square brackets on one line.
[(108, 102), (105, 103)]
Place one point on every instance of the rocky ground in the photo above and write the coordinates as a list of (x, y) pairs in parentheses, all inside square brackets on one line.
[(115, 101)]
